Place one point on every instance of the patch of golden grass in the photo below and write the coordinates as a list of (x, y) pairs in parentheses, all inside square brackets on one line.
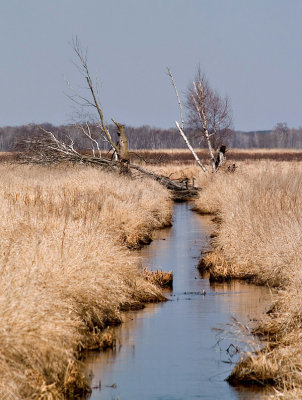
[(159, 277), (66, 272), (259, 237), (219, 269), (260, 212)]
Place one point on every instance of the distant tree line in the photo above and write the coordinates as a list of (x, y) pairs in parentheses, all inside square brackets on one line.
[(146, 137), (280, 137)]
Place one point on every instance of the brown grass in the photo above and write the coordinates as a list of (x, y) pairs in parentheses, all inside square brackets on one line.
[(184, 157), (66, 272), (259, 237), (160, 278)]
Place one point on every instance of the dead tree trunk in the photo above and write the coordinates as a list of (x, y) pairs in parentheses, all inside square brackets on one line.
[(48, 149), (182, 127), (221, 157), (190, 147), (122, 149)]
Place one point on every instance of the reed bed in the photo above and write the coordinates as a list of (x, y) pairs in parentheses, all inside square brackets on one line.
[(259, 237), (160, 278), (184, 157), (67, 270)]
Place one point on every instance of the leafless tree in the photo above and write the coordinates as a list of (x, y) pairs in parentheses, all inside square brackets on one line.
[(47, 147), (281, 133), (120, 149), (208, 114)]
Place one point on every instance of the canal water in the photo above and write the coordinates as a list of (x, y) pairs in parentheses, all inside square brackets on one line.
[(184, 348)]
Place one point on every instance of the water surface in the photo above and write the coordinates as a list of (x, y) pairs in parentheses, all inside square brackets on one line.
[(169, 351)]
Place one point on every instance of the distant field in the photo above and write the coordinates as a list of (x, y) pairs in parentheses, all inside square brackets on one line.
[(183, 156), (168, 156)]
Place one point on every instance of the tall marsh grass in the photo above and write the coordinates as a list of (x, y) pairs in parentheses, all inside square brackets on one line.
[(259, 237), (66, 269)]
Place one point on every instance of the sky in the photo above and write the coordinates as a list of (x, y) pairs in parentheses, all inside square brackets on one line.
[(250, 50)]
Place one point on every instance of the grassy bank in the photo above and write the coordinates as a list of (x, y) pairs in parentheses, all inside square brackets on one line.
[(259, 237), (66, 269)]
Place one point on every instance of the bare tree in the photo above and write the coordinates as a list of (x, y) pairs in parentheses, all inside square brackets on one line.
[(281, 133), (120, 149), (209, 115), (47, 147)]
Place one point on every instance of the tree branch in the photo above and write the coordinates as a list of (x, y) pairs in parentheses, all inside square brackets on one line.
[(181, 128)]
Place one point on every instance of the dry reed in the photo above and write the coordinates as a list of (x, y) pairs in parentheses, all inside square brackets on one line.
[(66, 270), (259, 237), (160, 278)]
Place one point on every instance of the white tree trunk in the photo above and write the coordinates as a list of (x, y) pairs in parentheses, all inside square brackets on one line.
[(211, 151), (190, 147)]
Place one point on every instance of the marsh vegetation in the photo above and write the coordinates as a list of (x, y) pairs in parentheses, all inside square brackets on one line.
[(67, 270), (182, 348), (258, 238)]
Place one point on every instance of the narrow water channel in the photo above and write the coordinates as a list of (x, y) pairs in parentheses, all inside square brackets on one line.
[(179, 350)]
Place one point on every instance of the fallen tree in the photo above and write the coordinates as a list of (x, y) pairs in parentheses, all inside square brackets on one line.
[(47, 148)]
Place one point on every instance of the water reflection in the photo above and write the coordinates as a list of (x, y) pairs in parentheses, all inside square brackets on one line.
[(170, 351)]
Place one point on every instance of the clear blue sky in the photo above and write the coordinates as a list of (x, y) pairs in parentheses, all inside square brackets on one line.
[(249, 49)]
